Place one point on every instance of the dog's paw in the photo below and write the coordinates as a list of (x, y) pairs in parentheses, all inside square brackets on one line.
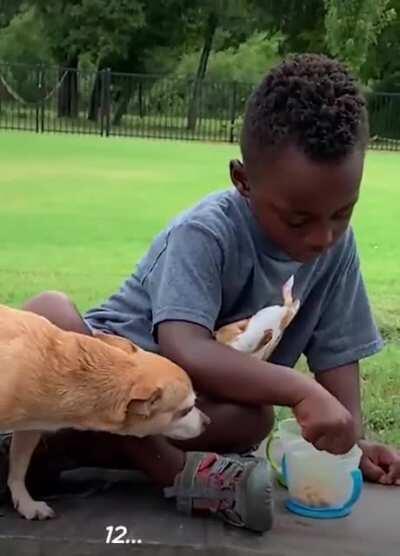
[(34, 510)]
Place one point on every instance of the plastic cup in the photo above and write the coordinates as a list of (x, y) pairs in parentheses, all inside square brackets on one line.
[(320, 484), (288, 431)]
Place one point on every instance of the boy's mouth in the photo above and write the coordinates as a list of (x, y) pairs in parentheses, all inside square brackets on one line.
[(309, 255)]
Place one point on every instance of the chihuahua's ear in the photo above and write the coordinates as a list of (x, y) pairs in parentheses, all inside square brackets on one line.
[(242, 325), (287, 291), (230, 332), (265, 339), (118, 342), (143, 399)]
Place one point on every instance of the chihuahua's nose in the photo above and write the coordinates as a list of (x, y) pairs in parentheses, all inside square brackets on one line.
[(205, 419)]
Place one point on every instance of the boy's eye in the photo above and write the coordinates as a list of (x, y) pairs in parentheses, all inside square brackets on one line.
[(296, 223), (343, 215)]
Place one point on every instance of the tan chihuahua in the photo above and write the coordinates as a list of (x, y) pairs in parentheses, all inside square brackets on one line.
[(52, 379)]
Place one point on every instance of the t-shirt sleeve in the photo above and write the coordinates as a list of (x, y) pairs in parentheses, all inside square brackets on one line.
[(184, 282), (346, 331)]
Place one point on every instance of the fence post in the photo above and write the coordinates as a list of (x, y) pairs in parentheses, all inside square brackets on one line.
[(39, 99), (233, 113), (43, 101), (105, 109), (108, 101), (102, 100)]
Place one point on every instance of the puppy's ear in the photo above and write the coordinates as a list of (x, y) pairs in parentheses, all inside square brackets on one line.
[(118, 342), (265, 339), (291, 312), (230, 332), (242, 325), (143, 399)]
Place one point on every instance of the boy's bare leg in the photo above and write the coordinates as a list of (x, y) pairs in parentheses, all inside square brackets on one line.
[(159, 458)]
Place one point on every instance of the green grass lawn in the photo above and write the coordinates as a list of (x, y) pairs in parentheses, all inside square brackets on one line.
[(76, 213)]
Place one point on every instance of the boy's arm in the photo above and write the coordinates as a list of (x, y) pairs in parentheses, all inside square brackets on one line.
[(379, 462), (226, 373), (344, 383)]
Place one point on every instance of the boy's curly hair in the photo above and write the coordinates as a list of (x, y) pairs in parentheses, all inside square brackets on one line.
[(309, 100)]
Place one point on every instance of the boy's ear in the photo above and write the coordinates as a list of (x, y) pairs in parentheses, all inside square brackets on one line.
[(239, 177)]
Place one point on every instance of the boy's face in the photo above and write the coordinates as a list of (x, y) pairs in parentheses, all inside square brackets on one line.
[(302, 205)]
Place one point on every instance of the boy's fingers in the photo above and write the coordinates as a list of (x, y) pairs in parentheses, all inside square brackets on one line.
[(311, 434), (384, 480), (333, 445), (394, 472), (371, 471), (387, 456)]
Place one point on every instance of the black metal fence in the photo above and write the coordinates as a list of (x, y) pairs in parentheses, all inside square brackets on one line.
[(50, 99)]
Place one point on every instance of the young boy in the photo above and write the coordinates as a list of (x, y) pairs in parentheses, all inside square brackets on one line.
[(303, 145)]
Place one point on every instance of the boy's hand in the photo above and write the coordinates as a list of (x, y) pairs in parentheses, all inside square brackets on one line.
[(325, 422), (379, 463)]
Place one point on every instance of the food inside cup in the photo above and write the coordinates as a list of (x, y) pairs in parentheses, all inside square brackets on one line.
[(314, 495)]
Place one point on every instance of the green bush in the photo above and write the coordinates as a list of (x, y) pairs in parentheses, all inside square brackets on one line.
[(22, 45), (23, 41), (247, 63)]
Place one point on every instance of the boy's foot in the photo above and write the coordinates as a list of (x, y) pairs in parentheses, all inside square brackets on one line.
[(235, 489)]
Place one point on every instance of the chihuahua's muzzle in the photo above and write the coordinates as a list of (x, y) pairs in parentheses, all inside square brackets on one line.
[(191, 425)]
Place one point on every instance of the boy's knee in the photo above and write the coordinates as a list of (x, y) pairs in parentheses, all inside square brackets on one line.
[(253, 425), (263, 423), (45, 300), (57, 308)]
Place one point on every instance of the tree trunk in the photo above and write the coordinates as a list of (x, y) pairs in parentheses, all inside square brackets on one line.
[(95, 98), (68, 94), (211, 27), (140, 99), (123, 100)]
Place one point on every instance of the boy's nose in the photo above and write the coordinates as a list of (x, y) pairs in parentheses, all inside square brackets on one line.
[(320, 239)]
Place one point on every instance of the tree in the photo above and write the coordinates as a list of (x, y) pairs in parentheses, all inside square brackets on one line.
[(353, 26), (168, 29), (23, 49), (21, 42), (209, 32), (213, 13), (8, 10), (96, 27), (301, 22), (99, 28), (382, 68), (245, 63), (232, 73)]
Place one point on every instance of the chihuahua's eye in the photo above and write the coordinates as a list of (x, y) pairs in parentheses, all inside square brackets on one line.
[(184, 412)]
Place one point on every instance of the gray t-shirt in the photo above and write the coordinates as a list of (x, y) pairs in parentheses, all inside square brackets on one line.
[(213, 265)]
